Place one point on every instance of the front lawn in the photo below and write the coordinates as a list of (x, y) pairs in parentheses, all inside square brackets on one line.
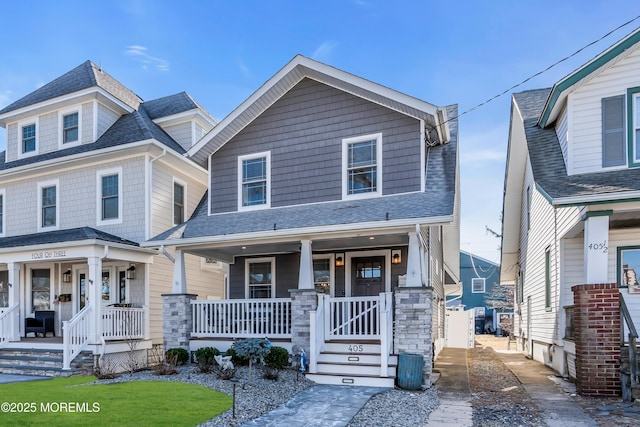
[(64, 402)]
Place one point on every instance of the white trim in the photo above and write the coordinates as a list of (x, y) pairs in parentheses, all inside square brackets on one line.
[(173, 199), (21, 124), (345, 163), (484, 284), (99, 175), (95, 119), (42, 185), (570, 148), (332, 271), (249, 261), (386, 253), (208, 193), (65, 112), (267, 204), (423, 157), (3, 212)]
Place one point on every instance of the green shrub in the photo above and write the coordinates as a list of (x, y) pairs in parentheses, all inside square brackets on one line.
[(253, 349), (205, 358), (235, 358), (177, 356), (277, 358)]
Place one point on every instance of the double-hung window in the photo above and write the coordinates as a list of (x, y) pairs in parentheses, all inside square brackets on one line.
[(178, 203), (478, 285), (633, 125), (260, 277), (614, 150), (48, 205), (70, 128), (109, 191), (361, 164), (29, 138), (254, 178)]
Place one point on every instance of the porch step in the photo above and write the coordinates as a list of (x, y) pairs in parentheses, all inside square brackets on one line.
[(43, 362), (364, 358), (355, 380), (354, 369), (352, 347)]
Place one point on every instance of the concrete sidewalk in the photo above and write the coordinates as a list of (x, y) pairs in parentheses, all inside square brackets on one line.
[(454, 392), (10, 378)]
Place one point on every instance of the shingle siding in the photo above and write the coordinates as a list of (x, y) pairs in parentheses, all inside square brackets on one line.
[(106, 118), (87, 123), (48, 132)]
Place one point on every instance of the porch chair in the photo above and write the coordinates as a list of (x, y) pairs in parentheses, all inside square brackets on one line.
[(42, 323)]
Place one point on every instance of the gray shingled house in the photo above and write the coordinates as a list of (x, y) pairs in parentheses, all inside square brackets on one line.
[(89, 172), (571, 231), (335, 202)]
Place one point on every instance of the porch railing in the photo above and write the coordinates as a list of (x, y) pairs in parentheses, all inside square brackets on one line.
[(632, 344), (242, 318), (75, 336), (386, 335), (8, 324), (123, 323), (317, 334), (353, 317)]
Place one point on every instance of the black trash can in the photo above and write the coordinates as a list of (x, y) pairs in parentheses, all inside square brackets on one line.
[(410, 371)]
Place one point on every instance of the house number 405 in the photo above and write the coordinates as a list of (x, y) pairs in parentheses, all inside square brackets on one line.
[(356, 348), (600, 247)]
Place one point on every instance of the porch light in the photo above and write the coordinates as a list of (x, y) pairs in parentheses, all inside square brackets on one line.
[(131, 272), (396, 257), (66, 276), (339, 260)]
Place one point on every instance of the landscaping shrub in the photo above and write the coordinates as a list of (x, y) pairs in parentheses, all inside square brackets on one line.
[(236, 358), (274, 361), (205, 358), (253, 349), (177, 356)]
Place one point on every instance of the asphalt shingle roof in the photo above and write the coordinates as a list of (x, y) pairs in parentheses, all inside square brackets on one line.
[(169, 105), (59, 236), (547, 161)]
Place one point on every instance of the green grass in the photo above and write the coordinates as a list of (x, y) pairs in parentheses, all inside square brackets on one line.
[(135, 403)]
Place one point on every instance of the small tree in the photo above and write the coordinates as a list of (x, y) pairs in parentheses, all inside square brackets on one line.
[(252, 349), (501, 299)]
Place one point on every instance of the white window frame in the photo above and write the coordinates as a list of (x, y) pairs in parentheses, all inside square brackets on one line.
[(267, 204), (173, 200), (634, 114), (61, 114), (484, 284), (346, 142), (248, 262), (3, 212), (42, 185), (99, 175), (332, 271), (34, 121)]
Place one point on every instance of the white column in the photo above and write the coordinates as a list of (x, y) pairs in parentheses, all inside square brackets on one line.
[(179, 274), (94, 297), (596, 249), (13, 281), (414, 273), (305, 277)]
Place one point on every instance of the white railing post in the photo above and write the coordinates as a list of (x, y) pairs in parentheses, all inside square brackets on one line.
[(317, 334), (8, 325)]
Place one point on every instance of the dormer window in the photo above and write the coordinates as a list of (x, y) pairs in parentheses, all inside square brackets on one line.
[(70, 128), (29, 138)]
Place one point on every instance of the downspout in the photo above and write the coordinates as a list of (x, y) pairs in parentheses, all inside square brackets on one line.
[(164, 252)]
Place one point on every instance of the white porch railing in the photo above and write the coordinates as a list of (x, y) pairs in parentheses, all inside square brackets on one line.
[(317, 334), (75, 335), (353, 317), (386, 332), (8, 324), (123, 323), (242, 318)]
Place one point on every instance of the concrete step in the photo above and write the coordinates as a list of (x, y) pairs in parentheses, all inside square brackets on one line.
[(355, 380), (353, 369)]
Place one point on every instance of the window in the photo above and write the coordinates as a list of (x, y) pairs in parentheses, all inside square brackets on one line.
[(520, 287), (109, 189), (255, 181), (629, 267), (4, 289), (178, 203), (260, 277), (40, 289), (477, 285), (322, 274), (361, 158), (547, 279), (613, 138), (633, 125), (2, 193), (528, 207), (29, 138), (48, 205), (106, 286), (70, 128)]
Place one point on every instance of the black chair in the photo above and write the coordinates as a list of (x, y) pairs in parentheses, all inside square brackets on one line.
[(42, 323)]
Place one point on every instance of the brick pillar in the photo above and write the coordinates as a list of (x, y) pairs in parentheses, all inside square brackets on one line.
[(176, 320), (413, 326), (597, 339), (302, 302)]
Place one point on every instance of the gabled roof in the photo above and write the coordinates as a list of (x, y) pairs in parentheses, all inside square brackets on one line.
[(291, 74), (84, 76), (172, 105), (60, 236), (565, 86)]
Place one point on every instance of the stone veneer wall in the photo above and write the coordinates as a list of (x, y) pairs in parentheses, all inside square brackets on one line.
[(413, 313), (597, 338), (176, 320), (303, 301)]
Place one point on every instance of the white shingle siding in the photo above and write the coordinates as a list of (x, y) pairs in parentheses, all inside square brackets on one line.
[(12, 142), (48, 133), (106, 118), (87, 123), (181, 133)]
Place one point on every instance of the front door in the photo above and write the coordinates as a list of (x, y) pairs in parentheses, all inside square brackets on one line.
[(367, 276)]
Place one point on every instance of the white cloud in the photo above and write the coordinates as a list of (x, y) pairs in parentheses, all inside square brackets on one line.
[(141, 55), (323, 51)]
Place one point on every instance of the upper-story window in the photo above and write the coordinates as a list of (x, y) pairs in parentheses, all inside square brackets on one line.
[(478, 285), (70, 128), (614, 150), (361, 164), (633, 125), (254, 179), (109, 189), (48, 206), (28, 138), (178, 202)]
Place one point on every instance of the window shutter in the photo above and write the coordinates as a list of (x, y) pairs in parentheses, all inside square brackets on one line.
[(613, 135)]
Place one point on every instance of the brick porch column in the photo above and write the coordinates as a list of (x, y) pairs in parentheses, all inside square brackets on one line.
[(413, 312), (597, 339), (302, 302), (176, 320)]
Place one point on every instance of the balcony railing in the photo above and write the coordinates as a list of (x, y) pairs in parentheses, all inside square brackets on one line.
[(123, 323)]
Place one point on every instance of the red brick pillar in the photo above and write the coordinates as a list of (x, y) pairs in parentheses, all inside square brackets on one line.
[(597, 339)]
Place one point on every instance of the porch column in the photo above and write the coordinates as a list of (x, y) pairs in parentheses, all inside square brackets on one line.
[(414, 274), (305, 276), (13, 280), (596, 244), (94, 296), (179, 274)]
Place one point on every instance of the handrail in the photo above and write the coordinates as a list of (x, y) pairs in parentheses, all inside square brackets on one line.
[(386, 338), (633, 336), (8, 324), (75, 336), (317, 334), (627, 317)]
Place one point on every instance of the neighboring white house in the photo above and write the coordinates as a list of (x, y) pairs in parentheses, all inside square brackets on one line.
[(571, 213), (329, 195), (89, 172)]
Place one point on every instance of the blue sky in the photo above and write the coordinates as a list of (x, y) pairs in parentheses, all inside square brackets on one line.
[(462, 52)]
